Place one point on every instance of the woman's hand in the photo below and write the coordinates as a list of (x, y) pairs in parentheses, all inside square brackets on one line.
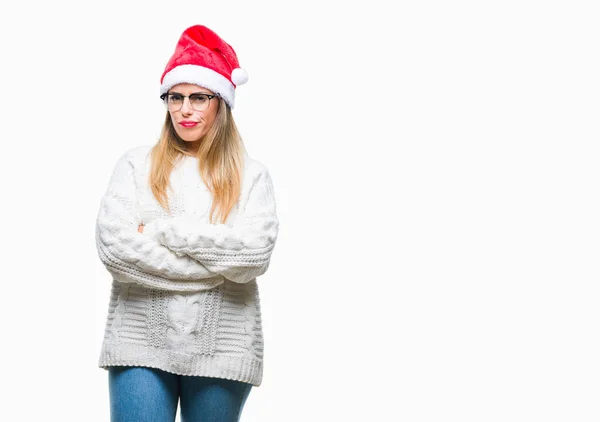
[(141, 228)]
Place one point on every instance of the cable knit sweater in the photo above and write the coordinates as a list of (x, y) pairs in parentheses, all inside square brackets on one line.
[(184, 295)]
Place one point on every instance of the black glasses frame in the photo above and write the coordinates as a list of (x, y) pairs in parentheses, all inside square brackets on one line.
[(166, 94)]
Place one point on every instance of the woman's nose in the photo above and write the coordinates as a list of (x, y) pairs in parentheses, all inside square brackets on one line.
[(186, 107)]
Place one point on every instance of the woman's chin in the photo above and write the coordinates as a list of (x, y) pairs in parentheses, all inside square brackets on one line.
[(189, 138)]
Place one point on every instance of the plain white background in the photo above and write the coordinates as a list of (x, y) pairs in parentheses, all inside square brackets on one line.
[(436, 172)]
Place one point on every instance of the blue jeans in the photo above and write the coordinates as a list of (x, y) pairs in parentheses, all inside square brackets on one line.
[(141, 394)]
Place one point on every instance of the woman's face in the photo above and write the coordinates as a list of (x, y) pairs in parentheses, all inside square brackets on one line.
[(190, 124)]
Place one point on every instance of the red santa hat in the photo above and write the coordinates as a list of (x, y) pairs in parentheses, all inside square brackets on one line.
[(202, 58)]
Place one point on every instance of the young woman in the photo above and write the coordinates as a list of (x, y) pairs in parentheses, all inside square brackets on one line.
[(185, 228)]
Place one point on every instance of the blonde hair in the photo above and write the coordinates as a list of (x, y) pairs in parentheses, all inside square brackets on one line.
[(220, 157)]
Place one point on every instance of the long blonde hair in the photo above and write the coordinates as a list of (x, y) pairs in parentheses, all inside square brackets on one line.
[(220, 157)]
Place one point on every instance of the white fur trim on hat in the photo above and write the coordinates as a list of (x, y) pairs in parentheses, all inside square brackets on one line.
[(201, 76)]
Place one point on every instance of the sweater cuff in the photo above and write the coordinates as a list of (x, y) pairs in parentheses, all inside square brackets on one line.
[(150, 230)]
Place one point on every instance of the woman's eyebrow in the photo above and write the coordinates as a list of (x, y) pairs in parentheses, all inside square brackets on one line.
[(197, 92)]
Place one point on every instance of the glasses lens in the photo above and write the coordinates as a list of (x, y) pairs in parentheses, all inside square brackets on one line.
[(174, 102), (199, 102)]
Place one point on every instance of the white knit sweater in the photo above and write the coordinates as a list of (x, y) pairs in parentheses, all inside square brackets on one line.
[(184, 296)]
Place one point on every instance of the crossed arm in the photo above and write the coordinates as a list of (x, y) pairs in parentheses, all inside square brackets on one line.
[(184, 253), (240, 251)]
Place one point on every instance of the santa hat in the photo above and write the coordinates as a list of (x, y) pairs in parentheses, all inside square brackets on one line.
[(202, 58)]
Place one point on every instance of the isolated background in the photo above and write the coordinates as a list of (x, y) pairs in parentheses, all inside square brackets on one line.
[(436, 172)]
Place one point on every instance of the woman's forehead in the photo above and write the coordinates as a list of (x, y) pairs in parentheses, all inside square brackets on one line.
[(189, 88)]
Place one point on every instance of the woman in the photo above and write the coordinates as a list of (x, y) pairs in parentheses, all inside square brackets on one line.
[(184, 228)]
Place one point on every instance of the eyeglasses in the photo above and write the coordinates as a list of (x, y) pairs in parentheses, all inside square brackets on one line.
[(198, 101)]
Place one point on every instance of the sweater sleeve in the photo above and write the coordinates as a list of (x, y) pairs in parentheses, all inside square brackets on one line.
[(134, 256), (240, 251)]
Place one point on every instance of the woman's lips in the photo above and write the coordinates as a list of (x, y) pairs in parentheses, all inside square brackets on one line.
[(188, 124)]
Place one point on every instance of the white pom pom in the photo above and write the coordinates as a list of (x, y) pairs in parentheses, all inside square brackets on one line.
[(239, 76)]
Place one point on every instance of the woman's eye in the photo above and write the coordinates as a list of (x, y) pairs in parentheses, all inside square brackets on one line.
[(175, 98), (198, 98)]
